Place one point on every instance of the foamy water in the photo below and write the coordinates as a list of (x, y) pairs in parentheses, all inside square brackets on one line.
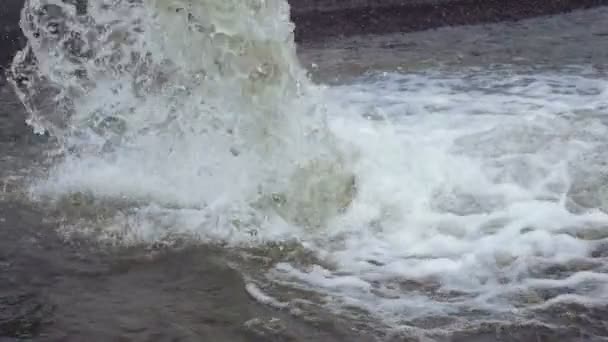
[(474, 188), (423, 195)]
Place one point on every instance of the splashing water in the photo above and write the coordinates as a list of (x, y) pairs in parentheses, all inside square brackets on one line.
[(194, 104), (478, 191)]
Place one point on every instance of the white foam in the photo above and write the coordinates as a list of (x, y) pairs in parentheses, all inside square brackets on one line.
[(256, 293), (470, 197)]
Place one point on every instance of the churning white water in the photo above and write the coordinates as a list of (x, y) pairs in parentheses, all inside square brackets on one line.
[(482, 191), (422, 195)]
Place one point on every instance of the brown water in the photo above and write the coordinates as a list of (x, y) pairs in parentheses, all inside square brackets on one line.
[(58, 289)]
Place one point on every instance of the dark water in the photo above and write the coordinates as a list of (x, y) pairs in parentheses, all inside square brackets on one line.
[(553, 42), (57, 289)]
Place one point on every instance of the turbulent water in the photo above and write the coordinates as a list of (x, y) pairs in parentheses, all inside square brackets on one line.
[(211, 86), (423, 201)]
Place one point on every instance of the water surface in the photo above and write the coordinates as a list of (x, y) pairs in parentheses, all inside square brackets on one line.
[(477, 155)]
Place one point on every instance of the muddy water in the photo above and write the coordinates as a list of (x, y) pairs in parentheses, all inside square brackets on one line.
[(58, 289)]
